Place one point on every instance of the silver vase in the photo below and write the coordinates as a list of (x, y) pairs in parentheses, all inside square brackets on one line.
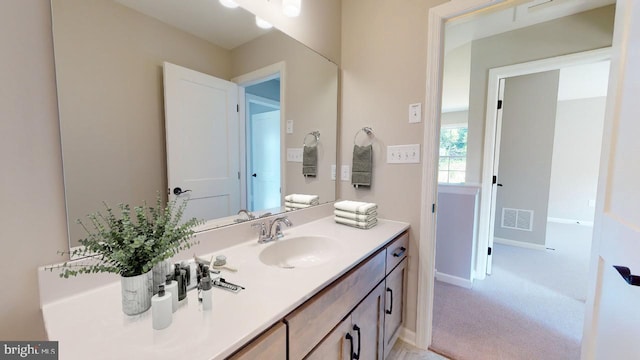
[(136, 293)]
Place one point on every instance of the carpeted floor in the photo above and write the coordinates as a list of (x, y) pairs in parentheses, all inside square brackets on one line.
[(531, 307)]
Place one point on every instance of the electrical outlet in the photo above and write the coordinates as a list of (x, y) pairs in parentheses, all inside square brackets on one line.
[(289, 126), (415, 113), (333, 172), (345, 173), (403, 154), (294, 155)]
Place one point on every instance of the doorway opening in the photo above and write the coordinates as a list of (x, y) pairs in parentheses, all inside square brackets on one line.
[(480, 258), (261, 104)]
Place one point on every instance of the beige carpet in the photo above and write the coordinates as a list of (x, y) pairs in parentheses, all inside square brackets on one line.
[(531, 307)]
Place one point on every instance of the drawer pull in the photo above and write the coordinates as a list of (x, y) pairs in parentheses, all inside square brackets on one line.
[(350, 338), (388, 312), (356, 356), (400, 252)]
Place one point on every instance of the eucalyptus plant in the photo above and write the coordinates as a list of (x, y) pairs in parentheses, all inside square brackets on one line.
[(132, 242)]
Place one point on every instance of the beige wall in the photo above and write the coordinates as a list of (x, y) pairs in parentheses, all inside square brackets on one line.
[(581, 32), (318, 25), (32, 217), (310, 101), (576, 158), (383, 71), (109, 72)]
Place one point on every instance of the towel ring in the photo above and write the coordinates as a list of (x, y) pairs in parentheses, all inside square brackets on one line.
[(367, 130), (316, 136)]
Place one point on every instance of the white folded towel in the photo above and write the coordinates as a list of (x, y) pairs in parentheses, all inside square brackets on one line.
[(303, 199), (296, 205), (356, 207), (354, 216), (356, 224)]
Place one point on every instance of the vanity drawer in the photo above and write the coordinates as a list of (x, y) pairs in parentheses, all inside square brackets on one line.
[(272, 344), (313, 320), (397, 250)]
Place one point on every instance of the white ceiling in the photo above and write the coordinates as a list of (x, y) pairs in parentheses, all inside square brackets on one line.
[(206, 19)]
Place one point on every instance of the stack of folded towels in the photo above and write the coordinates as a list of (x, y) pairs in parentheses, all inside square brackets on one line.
[(300, 201), (361, 215)]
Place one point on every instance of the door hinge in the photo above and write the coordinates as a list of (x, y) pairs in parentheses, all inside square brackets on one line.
[(499, 104), (237, 107), (238, 175), (495, 179), (489, 252), (433, 208)]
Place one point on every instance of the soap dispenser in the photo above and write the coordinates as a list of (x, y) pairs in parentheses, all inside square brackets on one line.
[(180, 275), (205, 288), (171, 286), (161, 313)]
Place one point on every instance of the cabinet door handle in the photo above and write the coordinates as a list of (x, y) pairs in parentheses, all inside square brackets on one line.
[(356, 356), (391, 304), (399, 252), (350, 338)]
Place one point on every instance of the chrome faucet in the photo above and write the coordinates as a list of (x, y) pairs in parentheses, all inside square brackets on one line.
[(275, 226), (250, 216), (273, 231)]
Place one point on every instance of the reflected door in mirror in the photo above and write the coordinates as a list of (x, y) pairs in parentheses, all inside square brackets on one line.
[(202, 141)]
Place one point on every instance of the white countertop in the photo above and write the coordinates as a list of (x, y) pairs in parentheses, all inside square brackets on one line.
[(92, 325)]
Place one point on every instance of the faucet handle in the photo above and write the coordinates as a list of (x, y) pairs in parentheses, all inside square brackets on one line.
[(262, 228)]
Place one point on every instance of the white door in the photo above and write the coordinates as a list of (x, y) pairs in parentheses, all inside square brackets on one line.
[(613, 327), (494, 186), (202, 135), (264, 153), (522, 161)]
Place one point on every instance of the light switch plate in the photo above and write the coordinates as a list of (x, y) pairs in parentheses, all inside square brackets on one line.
[(403, 154), (345, 173), (333, 171), (289, 126), (415, 113), (294, 155)]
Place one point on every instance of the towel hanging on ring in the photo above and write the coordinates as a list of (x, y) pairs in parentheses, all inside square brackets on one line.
[(362, 165), (310, 155)]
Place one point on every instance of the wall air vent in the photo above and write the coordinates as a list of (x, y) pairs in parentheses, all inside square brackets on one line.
[(517, 219)]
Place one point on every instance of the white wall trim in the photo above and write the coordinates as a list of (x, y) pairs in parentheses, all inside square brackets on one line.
[(435, 53), (485, 228), (454, 280), (570, 221), (521, 244), (407, 336)]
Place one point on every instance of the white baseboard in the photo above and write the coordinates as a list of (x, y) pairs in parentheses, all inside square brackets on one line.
[(570, 221), (454, 280), (408, 336), (518, 244)]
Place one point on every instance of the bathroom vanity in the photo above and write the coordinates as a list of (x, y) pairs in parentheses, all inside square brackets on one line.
[(349, 299)]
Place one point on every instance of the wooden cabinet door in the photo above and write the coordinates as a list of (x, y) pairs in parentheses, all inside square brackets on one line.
[(336, 345), (394, 305), (270, 345), (368, 325)]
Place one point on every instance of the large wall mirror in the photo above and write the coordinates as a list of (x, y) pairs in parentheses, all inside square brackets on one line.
[(110, 60)]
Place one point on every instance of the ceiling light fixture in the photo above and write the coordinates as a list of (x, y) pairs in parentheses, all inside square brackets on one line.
[(291, 8), (263, 23), (229, 3)]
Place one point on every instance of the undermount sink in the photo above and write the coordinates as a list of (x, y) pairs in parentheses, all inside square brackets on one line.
[(301, 252)]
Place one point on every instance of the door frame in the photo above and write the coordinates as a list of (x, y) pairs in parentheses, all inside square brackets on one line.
[(437, 17), (492, 139), (254, 77)]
